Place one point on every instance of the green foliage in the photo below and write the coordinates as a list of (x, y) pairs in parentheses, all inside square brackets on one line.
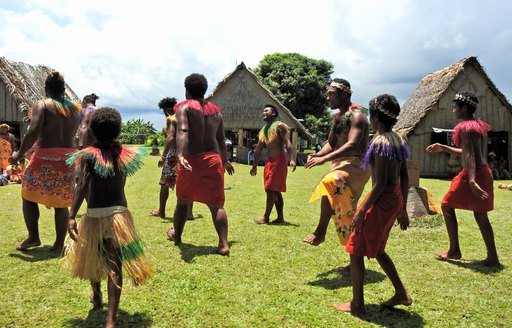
[(319, 125), (136, 131), (297, 81)]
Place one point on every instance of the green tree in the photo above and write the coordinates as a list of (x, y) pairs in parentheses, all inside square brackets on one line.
[(297, 81), (136, 131), (319, 125)]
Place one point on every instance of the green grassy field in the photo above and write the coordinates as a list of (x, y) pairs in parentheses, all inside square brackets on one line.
[(271, 278)]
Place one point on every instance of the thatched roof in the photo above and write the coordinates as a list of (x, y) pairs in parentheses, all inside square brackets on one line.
[(25, 82), (281, 108), (432, 87)]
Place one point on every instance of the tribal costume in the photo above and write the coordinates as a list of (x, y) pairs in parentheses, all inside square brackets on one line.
[(276, 168), (380, 217), (460, 194), (86, 258), (6, 148)]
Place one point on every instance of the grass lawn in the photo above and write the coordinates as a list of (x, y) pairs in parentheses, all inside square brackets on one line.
[(271, 278)]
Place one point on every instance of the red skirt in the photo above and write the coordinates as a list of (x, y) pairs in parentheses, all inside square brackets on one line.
[(205, 184), (378, 221), (460, 195), (275, 173)]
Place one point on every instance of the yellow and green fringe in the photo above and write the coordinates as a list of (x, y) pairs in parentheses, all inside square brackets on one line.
[(87, 258), (66, 107), (127, 159), (270, 133)]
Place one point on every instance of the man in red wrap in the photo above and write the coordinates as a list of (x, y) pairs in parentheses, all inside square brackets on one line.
[(275, 135), (202, 157), (472, 188), (47, 179)]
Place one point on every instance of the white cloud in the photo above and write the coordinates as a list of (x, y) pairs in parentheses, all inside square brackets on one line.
[(134, 53)]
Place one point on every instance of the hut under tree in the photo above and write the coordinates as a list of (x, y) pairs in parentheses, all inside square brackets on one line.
[(427, 117), (21, 85), (242, 97)]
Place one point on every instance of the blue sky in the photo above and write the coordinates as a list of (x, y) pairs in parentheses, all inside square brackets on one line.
[(133, 53)]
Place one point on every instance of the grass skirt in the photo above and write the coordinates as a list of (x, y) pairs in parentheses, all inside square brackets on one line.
[(87, 258)]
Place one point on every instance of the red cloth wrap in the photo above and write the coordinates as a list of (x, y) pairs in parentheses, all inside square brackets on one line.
[(274, 175), (205, 184), (378, 221), (460, 195), (200, 105)]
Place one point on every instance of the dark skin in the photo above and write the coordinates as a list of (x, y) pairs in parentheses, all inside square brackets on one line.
[(197, 134), (385, 172), (472, 155), (170, 143), (101, 192), (85, 137), (352, 141), (50, 130), (274, 148)]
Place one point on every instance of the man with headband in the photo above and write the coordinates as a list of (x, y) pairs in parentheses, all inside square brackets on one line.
[(472, 188), (346, 146)]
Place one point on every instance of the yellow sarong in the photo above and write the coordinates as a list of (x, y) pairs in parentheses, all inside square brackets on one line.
[(343, 186)]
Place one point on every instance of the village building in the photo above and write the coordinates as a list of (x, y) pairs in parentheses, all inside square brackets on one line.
[(242, 97), (427, 116), (21, 85)]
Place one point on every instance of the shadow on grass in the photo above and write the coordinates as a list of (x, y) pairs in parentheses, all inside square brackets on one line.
[(171, 219), (394, 317), (334, 279), (189, 251), (475, 266), (96, 318), (36, 254)]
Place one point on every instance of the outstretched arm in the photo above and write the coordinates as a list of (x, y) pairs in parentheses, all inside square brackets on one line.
[(34, 129), (437, 148)]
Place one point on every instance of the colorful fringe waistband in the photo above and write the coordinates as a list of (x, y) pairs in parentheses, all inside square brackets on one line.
[(87, 258)]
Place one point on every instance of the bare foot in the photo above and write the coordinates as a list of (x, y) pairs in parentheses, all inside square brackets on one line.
[(277, 221), (489, 263), (397, 300), (27, 243), (157, 213), (348, 307), (96, 300), (57, 248), (314, 239), (222, 250), (447, 255), (171, 235), (261, 220)]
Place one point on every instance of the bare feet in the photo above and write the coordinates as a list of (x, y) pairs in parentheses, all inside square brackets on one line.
[(96, 300), (447, 255), (261, 220), (171, 235), (157, 213), (314, 239), (277, 221), (222, 250), (27, 243), (397, 300), (348, 307)]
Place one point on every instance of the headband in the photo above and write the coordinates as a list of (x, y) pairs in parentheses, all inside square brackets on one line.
[(4, 126), (383, 110), (465, 99), (340, 86)]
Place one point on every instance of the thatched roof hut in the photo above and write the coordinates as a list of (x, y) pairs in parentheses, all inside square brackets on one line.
[(21, 85), (427, 117), (242, 97)]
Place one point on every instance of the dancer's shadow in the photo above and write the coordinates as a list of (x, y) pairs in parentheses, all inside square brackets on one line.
[(391, 317), (334, 279), (36, 254), (475, 266), (189, 251), (96, 318), (171, 219), (283, 224)]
